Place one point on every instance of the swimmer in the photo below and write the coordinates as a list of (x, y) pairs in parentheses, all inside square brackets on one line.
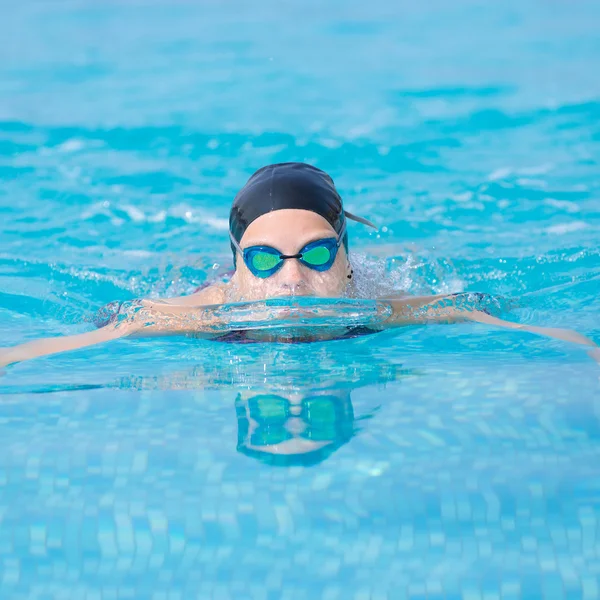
[(289, 237)]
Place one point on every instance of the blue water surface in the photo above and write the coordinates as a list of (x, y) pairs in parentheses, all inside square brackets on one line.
[(454, 461)]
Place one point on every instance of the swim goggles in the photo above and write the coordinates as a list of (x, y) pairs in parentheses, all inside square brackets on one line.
[(271, 413), (264, 261)]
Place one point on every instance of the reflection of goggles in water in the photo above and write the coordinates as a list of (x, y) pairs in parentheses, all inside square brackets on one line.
[(320, 414), (264, 261)]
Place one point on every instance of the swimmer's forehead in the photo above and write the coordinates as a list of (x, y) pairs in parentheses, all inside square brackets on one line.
[(287, 227)]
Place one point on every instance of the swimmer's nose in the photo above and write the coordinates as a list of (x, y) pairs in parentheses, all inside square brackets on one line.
[(291, 273), (291, 279)]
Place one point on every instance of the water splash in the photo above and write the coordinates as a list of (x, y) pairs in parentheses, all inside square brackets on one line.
[(291, 316), (284, 313)]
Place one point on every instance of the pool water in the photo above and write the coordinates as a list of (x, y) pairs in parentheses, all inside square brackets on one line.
[(455, 461)]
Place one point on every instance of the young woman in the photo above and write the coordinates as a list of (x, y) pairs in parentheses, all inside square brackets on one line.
[(287, 229)]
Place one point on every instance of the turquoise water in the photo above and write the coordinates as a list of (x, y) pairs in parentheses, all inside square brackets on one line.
[(446, 462)]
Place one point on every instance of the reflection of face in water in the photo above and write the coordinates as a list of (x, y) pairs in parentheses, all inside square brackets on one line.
[(295, 429), (298, 414)]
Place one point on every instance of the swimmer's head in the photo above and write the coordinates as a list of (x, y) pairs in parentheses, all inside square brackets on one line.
[(286, 207)]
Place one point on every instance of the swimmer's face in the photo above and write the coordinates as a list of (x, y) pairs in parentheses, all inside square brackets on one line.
[(289, 230)]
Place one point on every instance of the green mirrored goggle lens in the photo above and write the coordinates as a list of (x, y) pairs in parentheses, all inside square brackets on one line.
[(264, 261), (317, 256)]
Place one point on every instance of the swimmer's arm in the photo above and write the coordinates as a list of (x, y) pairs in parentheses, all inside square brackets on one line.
[(153, 318), (567, 335), (426, 309), (56, 345)]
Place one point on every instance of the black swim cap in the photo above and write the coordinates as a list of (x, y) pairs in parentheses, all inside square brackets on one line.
[(288, 185)]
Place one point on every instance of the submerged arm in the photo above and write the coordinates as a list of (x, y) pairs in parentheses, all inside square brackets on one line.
[(433, 309), (150, 318), (567, 335), (171, 316), (55, 345)]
